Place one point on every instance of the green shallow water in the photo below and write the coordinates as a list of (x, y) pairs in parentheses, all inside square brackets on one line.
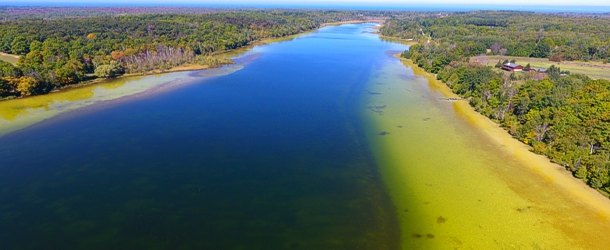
[(19, 113), (454, 187)]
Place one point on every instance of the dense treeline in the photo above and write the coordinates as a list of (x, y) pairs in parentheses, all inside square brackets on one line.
[(55, 53), (522, 34), (566, 118), (8, 13), (563, 116)]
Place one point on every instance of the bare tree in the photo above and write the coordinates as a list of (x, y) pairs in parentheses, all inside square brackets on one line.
[(540, 130), (495, 48)]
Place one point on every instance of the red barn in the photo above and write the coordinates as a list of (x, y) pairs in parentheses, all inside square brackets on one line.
[(512, 67)]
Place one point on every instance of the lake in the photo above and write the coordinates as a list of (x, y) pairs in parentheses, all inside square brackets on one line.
[(324, 141)]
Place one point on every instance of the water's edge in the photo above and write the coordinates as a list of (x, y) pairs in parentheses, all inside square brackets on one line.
[(16, 114), (460, 181)]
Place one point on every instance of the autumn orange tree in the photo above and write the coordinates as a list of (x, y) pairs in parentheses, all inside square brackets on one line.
[(23, 85)]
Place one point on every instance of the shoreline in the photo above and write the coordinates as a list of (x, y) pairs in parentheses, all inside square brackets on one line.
[(397, 40), (540, 164), (77, 107), (380, 21), (22, 113), (455, 175), (188, 67), (193, 67), (12, 119)]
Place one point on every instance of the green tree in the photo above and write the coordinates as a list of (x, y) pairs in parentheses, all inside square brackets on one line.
[(5, 43), (7, 69), (36, 46), (5, 87), (554, 72), (110, 70), (20, 46), (581, 173), (542, 50), (499, 64)]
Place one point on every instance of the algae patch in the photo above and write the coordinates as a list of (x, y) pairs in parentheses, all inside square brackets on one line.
[(441, 220), (20, 113), (460, 186)]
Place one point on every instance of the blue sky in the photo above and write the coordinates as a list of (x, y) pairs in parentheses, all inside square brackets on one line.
[(460, 5), (347, 3)]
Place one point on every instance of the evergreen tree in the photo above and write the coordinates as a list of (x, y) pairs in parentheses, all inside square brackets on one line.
[(542, 50), (499, 64)]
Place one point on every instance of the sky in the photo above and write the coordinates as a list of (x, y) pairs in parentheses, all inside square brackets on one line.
[(378, 4)]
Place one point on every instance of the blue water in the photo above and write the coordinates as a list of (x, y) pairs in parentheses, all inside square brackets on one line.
[(270, 157)]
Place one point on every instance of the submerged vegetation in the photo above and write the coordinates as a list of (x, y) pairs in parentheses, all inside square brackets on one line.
[(561, 115)]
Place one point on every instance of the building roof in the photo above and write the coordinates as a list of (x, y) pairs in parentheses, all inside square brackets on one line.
[(512, 65)]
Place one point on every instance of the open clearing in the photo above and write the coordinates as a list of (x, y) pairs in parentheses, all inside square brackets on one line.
[(595, 70), (9, 58)]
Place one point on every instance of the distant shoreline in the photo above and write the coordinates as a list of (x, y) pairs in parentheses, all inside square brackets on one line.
[(193, 67), (381, 21)]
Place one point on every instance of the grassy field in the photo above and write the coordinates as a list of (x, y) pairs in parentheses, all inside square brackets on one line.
[(595, 70), (9, 58)]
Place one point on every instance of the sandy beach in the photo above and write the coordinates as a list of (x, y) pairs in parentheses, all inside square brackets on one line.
[(540, 164), (380, 21)]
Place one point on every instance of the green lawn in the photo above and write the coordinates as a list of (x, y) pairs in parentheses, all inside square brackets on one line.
[(9, 58), (595, 70)]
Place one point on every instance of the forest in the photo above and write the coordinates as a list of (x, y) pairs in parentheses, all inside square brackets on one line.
[(563, 116), (61, 51), (511, 33), (8, 13)]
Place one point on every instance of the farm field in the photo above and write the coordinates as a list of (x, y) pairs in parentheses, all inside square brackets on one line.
[(595, 70)]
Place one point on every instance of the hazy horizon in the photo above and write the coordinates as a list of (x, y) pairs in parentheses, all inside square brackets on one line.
[(303, 2), (593, 6)]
